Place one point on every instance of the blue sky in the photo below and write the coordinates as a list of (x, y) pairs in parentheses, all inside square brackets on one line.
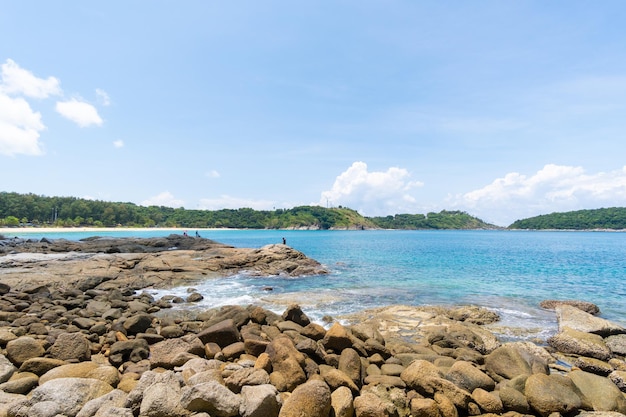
[(502, 109)]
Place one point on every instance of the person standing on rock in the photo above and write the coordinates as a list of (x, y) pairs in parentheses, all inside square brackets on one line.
[(284, 241)]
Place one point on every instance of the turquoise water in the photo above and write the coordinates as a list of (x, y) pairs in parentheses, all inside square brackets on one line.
[(510, 272)]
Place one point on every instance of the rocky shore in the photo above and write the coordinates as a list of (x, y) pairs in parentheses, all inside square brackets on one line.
[(94, 345)]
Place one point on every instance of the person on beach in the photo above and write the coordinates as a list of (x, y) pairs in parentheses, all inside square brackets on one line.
[(197, 234), (284, 241), (185, 233)]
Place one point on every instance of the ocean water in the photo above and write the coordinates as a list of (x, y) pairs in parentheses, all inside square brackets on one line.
[(510, 272)]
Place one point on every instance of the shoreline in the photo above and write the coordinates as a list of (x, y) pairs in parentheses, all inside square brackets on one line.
[(7, 231)]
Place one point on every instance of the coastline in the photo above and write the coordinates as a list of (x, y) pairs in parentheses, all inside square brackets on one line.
[(7, 231)]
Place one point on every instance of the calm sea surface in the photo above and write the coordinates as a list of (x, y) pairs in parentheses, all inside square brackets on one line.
[(510, 272)]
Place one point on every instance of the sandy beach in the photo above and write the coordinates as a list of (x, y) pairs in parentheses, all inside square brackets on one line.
[(9, 231)]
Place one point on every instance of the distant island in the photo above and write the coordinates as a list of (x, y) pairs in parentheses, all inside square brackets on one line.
[(613, 218), (30, 210)]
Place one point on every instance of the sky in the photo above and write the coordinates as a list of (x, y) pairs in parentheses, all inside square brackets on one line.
[(502, 109)]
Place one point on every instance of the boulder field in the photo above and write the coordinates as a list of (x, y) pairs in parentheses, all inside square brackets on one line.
[(93, 349)]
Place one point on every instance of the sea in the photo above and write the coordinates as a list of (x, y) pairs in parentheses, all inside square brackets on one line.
[(509, 272)]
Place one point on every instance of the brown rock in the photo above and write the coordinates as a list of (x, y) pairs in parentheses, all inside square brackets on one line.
[(350, 364), (223, 333), (341, 402), (311, 399), (71, 346), (549, 394), (337, 338), (580, 343), (287, 364), (24, 348)]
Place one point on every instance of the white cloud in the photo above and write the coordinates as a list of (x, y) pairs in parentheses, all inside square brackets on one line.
[(16, 80), (19, 127), (374, 193), (165, 198), (79, 112), (213, 174), (103, 97), (229, 202), (554, 188), (118, 143)]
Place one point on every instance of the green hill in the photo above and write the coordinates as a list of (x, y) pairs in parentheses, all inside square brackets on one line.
[(34, 210), (613, 218)]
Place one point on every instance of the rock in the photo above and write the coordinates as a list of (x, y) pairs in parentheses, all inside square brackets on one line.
[(294, 313), (246, 376), (467, 376), (369, 404), (337, 338), (617, 344), (7, 369), (549, 394), (576, 319), (194, 297), (171, 332), (425, 378), (313, 331), (595, 366), (489, 402), (138, 323), (601, 392), (342, 402), (581, 305), (509, 361), (424, 407), (287, 364), (350, 364), (260, 401), (619, 379), (175, 352), (97, 406), (65, 395), (71, 346), (40, 366), (20, 384), (335, 379), (223, 333), (69, 370), (514, 400), (212, 397), (580, 343), (163, 397), (311, 399), (134, 350), (22, 349)]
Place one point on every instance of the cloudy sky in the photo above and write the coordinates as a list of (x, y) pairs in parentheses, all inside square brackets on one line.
[(502, 109)]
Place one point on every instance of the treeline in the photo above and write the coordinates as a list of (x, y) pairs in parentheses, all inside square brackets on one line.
[(613, 218), (442, 220), (34, 210)]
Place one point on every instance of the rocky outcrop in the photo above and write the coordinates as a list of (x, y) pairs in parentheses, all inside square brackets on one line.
[(249, 362), (109, 351), (105, 263)]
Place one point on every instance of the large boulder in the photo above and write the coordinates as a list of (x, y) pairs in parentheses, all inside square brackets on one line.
[(342, 402), (576, 319), (287, 364), (549, 394), (175, 352), (585, 306), (601, 392), (580, 343), (426, 379), (260, 401), (24, 348), (71, 346), (211, 397), (510, 361), (311, 399), (467, 376), (223, 333), (64, 395), (7, 369)]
